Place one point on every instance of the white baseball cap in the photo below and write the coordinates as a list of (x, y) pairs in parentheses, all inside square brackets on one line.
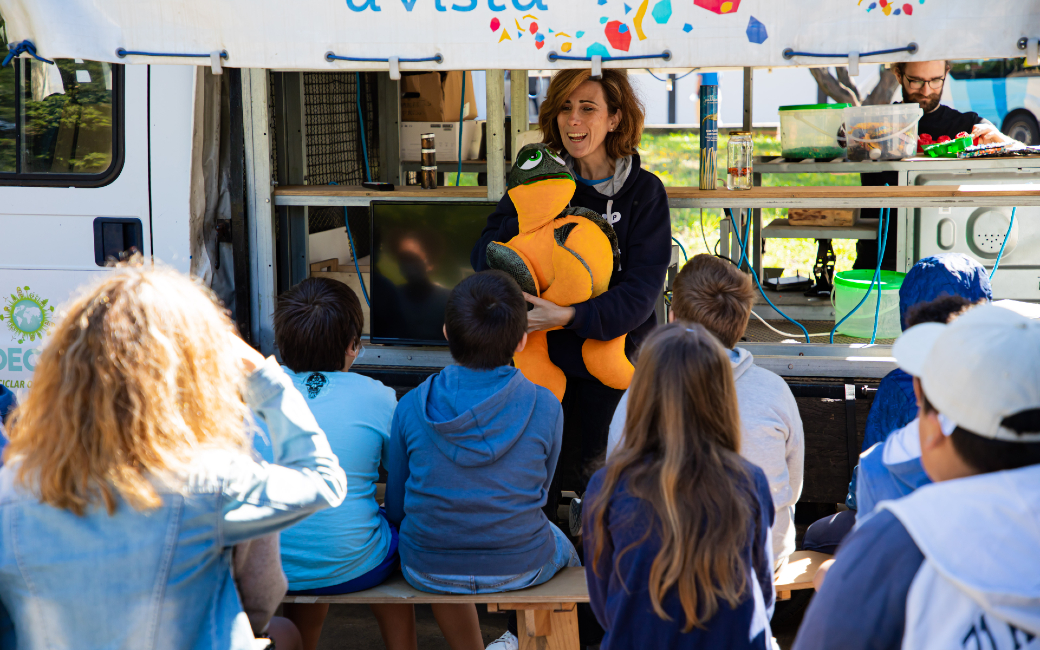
[(978, 370)]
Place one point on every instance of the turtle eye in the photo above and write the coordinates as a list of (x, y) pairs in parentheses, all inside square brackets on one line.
[(557, 158), (532, 162)]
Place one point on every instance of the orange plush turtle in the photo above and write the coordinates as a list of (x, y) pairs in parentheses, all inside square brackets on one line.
[(565, 255)]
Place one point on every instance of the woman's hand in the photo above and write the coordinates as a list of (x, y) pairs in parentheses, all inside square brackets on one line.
[(251, 359), (546, 315)]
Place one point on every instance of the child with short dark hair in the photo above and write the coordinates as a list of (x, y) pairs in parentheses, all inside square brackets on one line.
[(677, 523), (954, 564), (892, 469), (472, 455), (353, 547), (716, 294)]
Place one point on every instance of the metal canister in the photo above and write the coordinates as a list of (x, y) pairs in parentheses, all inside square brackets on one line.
[(428, 173), (738, 160), (709, 96)]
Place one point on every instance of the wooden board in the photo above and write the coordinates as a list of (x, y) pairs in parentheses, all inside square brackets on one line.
[(822, 217), (567, 586), (855, 192), (409, 191), (800, 570)]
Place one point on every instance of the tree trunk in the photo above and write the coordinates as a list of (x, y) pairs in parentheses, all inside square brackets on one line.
[(884, 90), (835, 89)]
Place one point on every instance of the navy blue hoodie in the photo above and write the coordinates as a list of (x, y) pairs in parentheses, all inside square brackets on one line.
[(472, 455), (619, 585), (639, 214)]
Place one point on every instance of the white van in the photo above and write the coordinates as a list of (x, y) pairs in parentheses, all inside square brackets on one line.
[(94, 161)]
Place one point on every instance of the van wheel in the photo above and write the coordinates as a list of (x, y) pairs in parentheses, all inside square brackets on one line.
[(1022, 126)]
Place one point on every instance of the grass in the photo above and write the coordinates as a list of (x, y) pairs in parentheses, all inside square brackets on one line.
[(675, 158)]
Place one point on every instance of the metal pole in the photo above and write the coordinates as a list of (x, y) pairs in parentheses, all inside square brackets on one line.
[(754, 240), (748, 77), (496, 134), (520, 119), (260, 207), (672, 92), (390, 128)]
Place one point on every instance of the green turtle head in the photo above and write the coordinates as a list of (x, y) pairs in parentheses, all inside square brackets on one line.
[(534, 163)]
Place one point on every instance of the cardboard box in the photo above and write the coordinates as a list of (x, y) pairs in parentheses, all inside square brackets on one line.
[(435, 97), (821, 216), (348, 276), (446, 138)]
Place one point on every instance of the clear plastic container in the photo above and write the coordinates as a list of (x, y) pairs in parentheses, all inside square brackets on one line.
[(881, 132), (812, 131), (738, 160), (849, 287)]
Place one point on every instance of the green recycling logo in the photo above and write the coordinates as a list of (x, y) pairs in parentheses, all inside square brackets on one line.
[(27, 315)]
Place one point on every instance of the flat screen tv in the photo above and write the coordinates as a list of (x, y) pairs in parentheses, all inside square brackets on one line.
[(420, 251)]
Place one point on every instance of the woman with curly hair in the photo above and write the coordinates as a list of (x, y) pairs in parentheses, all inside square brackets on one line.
[(129, 475)]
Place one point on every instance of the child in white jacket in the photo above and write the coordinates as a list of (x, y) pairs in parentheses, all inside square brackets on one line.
[(716, 294)]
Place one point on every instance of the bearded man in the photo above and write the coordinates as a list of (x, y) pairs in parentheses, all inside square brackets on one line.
[(922, 83)]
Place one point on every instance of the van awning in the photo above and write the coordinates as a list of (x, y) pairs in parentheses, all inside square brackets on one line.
[(522, 34)]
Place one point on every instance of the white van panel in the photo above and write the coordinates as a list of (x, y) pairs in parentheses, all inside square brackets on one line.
[(173, 111), (46, 233)]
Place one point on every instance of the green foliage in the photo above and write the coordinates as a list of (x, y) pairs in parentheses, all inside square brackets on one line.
[(70, 132), (675, 158)]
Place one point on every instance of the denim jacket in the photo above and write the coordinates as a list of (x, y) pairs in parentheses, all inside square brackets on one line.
[(161, 579)]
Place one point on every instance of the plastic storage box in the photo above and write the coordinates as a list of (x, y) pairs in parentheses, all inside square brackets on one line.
[(849, 287), (881, 132), (812, 131)]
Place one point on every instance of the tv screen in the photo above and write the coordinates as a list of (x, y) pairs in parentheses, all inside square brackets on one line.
[(420, 251)]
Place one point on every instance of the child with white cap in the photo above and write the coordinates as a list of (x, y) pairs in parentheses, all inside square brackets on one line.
[(956, 564)]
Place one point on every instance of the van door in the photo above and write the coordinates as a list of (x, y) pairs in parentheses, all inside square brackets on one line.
[(79, 162)]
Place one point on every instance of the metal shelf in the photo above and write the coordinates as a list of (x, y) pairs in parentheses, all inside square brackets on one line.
[(855, 197), (448, 167), (340, 195), (781, 229), (779, 165), (692, 197)]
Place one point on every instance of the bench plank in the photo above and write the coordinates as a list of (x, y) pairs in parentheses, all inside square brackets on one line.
[(567, 586), (799, 571)]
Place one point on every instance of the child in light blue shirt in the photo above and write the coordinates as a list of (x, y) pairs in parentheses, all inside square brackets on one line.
[(352, 547)]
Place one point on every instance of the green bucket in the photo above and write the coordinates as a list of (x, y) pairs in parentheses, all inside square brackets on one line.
[(849, 289)]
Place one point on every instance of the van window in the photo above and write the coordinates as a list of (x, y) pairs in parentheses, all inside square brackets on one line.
[(978, 69), (8, 127), (992, 69), (60, 123)]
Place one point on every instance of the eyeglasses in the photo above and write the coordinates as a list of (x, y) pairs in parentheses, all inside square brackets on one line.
[(917, 84)]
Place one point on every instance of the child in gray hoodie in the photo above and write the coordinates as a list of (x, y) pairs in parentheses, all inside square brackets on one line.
[(716, 294)]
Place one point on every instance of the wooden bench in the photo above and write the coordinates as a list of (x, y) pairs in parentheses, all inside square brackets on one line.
[(547, 615), (799, 572)]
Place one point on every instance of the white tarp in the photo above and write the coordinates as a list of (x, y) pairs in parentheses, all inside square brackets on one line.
[(519, 34)]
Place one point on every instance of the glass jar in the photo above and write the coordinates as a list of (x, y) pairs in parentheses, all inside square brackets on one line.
[(738, 160)]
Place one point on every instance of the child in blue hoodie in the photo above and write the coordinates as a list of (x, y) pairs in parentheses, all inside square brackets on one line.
[(472, 455)]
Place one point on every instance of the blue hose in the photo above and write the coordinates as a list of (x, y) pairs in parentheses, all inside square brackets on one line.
[(1001, 253), (754, 275), (679, 244), (877, 274), (353, 253)]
